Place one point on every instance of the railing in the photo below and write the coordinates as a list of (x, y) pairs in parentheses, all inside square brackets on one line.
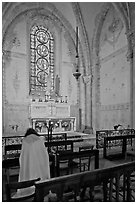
[(52, 137), (12, 140), (18, 139), (117, 184), (105, 133)]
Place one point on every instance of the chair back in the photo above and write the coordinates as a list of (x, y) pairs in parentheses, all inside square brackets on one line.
[(10, 168), (85, 162), (59, 145), (12, 150), (12, 187), (63, 162), (71, 159)]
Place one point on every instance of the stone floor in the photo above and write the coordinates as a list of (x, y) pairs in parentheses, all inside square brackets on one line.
[(103, 163)]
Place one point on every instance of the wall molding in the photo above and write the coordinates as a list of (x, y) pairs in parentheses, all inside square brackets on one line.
[(10, 54), (114, 54), (112, 107)]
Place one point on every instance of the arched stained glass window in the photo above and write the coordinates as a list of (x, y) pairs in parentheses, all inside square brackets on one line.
[(42, 60)]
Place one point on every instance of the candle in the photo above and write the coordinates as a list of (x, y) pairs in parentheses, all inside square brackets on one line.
[(77, 41)]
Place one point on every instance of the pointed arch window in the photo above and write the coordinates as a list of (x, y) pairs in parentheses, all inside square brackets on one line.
[(42, 60)]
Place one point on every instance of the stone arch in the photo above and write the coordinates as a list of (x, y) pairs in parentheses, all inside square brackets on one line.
[(13, 11), (96, 63), (49, 11), (95, 52)]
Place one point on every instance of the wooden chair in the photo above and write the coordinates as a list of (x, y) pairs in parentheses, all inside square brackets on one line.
[(10, 168), (84, 162), (65, 166), (63, 162), (52, 164), (12, 150), (72, 159), (12, 187), (11, 160), (54, 147)]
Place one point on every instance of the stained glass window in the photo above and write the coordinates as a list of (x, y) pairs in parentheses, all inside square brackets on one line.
[(42, 60)]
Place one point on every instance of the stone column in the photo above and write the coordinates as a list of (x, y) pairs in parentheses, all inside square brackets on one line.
[(78, 106), (88, 116), (131, 59)]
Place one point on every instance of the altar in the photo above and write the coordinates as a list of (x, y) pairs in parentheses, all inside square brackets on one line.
[(57, 114)]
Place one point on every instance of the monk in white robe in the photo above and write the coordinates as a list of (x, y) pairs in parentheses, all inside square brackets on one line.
[(34, 161)]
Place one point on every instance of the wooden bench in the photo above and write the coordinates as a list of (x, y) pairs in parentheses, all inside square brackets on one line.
[(107, 178)]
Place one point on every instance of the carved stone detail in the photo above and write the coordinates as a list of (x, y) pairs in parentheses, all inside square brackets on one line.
[(87, 79)]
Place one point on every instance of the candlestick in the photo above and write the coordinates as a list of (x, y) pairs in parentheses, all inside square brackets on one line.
[(61, 101), (45, 97), (66, 99), (33, 99), (40, 100)]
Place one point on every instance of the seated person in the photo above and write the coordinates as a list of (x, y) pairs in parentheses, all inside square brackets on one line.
[(34, 160)]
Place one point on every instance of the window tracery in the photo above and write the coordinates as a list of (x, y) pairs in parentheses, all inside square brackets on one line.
[(42, 60)]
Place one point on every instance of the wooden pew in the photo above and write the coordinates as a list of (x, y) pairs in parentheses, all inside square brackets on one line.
[(14, 186), (117, 177), (10, 163), (100, 134), (122, 138), (12, 153), (69, 157)]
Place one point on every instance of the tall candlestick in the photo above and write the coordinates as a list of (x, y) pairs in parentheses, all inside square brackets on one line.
[(77, 41)]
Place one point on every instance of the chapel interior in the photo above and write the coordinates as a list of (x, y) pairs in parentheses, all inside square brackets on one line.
[(68, 71)]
